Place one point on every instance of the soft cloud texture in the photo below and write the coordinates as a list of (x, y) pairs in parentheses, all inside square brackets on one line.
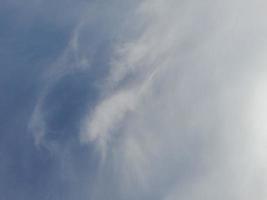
[(154, 99)]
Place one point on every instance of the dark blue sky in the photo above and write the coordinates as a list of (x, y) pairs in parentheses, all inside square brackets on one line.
[(31, 39)]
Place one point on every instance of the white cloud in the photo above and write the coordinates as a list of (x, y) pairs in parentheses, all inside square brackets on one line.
[(174, 118)]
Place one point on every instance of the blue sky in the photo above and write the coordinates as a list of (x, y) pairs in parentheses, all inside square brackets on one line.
[(154, 99)]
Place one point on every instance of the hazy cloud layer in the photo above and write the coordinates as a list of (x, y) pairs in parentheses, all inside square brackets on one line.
[(154, 99)]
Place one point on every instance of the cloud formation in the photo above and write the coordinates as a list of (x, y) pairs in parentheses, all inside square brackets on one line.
[(157, 99)]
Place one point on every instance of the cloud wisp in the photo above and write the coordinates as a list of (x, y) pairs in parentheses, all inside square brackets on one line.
[(172, 112)]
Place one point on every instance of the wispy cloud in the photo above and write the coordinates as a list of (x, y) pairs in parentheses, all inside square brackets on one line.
[(176, 115)]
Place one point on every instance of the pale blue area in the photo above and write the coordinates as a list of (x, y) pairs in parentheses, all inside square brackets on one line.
[(31, 39)]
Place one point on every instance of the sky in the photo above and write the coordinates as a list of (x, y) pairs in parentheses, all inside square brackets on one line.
[(133, 100)]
